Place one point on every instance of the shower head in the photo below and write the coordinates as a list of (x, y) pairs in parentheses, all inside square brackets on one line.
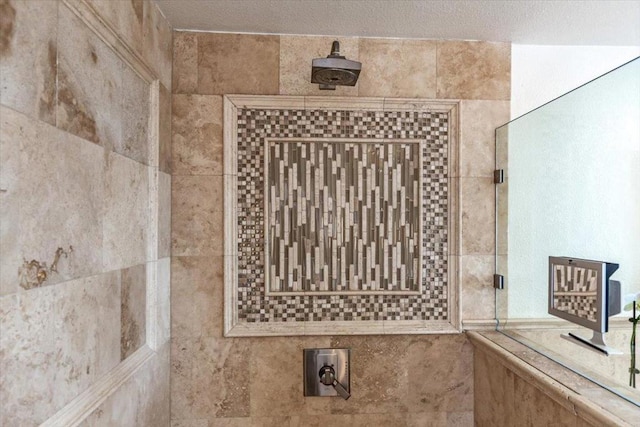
[(334, 70)]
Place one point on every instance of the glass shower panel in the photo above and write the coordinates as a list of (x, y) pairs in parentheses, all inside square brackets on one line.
[(571, 188)]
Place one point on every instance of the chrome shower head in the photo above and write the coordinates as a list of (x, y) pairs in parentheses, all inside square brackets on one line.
[(334, 70)]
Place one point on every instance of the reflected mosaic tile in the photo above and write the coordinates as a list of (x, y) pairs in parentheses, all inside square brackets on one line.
[(389, 261)]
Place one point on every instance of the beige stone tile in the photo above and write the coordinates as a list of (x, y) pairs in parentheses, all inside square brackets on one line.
[(232, 422), (474, 70), (28, 53), (270, 421), (320, 420), (381, 419), (189, 423), (126, 219), (478, 121), (133, 311), (55, 342), (87, 330), (426, 419), (125, 17), (460, 419), (238, 63), (163, 328), (533, 407), (89, 84), (212, 377), (478, 294), (164, 215), (359, 420), (27, 350), (136, 108), (164, 146), (143, 400), (389, 356), (493, 392), (157, 42), (609, 402), (53, 199), (185, 62), (398, 68), (197, 135), (281, 358), (181, 362), (197, 296), (296, 54), (196, 216), (477, 199), (440, 374)]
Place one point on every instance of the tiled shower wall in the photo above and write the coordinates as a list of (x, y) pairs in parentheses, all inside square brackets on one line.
[(396, 380), (78, 173)]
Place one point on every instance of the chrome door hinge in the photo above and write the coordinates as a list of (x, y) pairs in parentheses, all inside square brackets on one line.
[(498, 176), (498, 281)]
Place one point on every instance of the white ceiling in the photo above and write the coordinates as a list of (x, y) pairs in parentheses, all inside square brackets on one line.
[(552, 22)]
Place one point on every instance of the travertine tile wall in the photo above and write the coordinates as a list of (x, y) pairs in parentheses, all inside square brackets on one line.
[(77, 171), (516, 385), (397, 380)]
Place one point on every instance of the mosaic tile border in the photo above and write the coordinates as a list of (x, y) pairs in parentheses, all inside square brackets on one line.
[(249, 122)]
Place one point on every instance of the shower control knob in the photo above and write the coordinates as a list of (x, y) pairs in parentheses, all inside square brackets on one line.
[(328, 377)]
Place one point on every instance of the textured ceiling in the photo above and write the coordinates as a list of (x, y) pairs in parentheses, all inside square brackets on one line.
[(559, 22)]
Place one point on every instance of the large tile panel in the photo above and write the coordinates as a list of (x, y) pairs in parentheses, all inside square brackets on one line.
[(196, 296), (89, 82), (437, 380), (476, 279), (493, 392), (474, 70), (55, 342), (164, 143), (478, 122), (126, 214), (143, 400), (125, 17), (398, 68), (54, 188), (185, 62), (477, 204), (238, 63), (197, 135), (197, 212), (157, 42), (136, 108), (533, 407), (164, 215), (210, 378), (133, 312), (28, 55)]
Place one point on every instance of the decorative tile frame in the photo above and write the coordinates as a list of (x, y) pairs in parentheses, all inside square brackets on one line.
[(251, 123)]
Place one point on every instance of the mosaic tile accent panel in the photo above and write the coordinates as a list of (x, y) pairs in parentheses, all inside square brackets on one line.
[(256, 127), (576, 291), (583, 306), (343, 216)]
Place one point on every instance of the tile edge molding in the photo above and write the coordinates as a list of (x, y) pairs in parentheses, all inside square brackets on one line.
[(235, 328), (579, 405), (92, 19), (86, 402)]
